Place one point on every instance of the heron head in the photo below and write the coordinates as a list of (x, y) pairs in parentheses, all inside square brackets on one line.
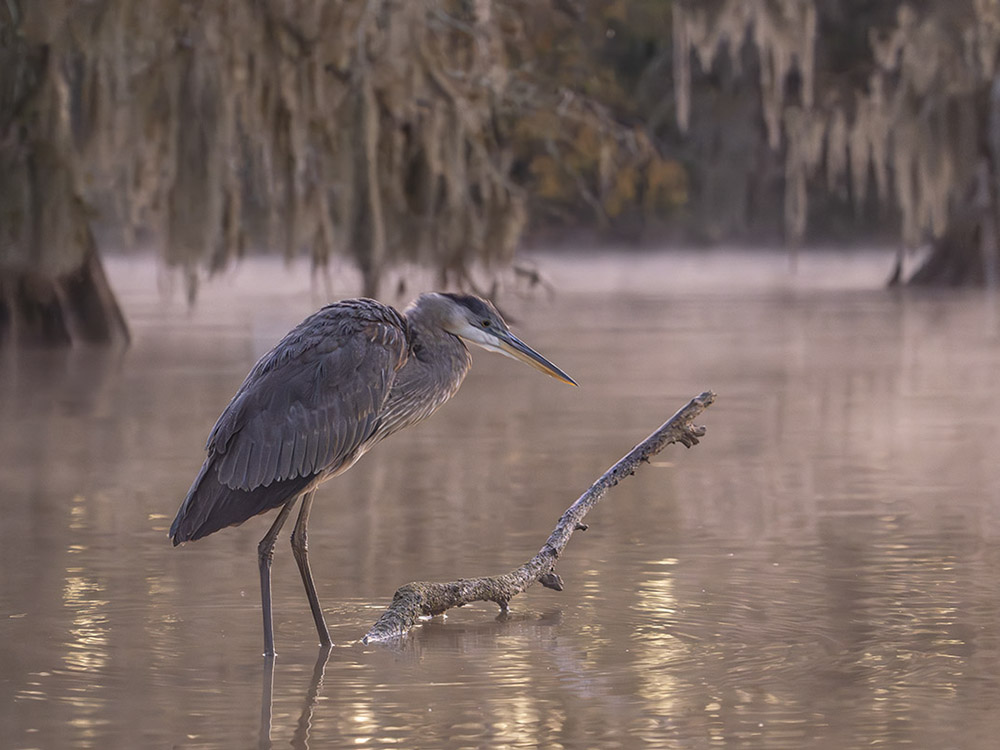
[(477, 321)]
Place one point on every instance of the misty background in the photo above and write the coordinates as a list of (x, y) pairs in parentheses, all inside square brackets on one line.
[(794, 204)]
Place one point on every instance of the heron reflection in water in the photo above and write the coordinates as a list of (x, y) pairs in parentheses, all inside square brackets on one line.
[(337, 384)]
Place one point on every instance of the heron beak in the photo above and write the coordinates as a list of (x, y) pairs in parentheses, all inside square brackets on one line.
[(512, 346)]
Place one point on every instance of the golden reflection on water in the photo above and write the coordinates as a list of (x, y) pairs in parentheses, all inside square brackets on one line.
[(89, 631), (658, 650), (84, 597)]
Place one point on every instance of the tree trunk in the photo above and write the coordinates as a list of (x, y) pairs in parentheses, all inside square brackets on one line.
[(78, 306), (966, 254), (53, 290), (955, 258)]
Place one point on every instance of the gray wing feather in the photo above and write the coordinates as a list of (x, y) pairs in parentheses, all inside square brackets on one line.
[(323, 439), (298, 456), (269, 465), (312, 401), (285, 460), (309, 434)]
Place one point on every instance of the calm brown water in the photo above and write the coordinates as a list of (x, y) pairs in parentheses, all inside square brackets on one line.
[(820, 572)]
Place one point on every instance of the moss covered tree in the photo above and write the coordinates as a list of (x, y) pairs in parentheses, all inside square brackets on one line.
[(368, 129), (900, 100)]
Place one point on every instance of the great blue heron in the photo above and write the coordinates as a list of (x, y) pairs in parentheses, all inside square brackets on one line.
[(341, 381)]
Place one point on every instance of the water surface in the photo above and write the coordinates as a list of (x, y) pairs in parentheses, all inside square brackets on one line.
[(820, 572)]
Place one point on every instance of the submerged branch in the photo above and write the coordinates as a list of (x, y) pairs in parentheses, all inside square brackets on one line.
[(423, 599)]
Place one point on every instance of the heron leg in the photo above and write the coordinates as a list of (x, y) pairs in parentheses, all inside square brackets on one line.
[(300, 549), (265, 553)]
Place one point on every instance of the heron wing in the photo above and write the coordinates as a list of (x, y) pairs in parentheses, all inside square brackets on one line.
[(312, 401)]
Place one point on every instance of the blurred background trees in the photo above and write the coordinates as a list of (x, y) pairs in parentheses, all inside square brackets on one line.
[(887, 108), (446, 132), (207, 130)]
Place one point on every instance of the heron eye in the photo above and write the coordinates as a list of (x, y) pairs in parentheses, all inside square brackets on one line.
[(487, 323)]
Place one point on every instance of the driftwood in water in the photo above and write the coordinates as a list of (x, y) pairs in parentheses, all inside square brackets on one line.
[(422, 599)]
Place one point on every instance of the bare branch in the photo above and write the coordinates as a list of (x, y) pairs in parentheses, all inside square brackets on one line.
[(422, 599)]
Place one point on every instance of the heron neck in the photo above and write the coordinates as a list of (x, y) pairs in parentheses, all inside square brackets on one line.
[(435, 368), (438, 356)]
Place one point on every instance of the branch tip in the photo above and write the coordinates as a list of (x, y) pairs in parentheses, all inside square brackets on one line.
[(551, 580)]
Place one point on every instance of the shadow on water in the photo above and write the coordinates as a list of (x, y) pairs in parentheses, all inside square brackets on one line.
[(819, 572)]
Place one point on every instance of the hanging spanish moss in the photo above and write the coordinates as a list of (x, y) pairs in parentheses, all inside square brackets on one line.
[(917, 130), (367, 130)]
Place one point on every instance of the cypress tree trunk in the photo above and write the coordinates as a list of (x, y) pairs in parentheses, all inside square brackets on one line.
[(37, 308), (968, 253), (53, 290), (957, 257)]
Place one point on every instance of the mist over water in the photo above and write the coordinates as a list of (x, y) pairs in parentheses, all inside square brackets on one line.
[(820, 572)]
